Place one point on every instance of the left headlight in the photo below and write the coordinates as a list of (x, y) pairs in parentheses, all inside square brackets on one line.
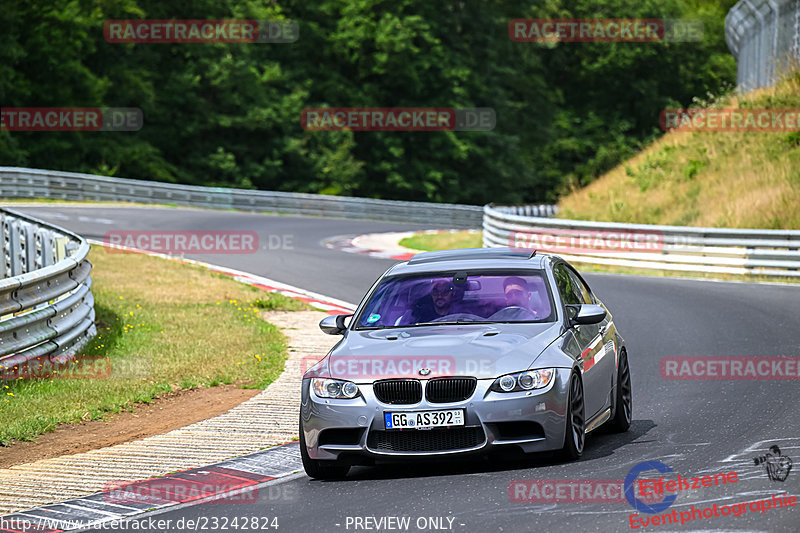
[(334, 388), (522, 381)]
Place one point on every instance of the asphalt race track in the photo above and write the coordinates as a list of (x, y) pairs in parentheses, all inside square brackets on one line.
[(696, 427)]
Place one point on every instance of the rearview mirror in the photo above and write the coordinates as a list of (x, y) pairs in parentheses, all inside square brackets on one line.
[(473, 285), (334, 324), (590, 314)]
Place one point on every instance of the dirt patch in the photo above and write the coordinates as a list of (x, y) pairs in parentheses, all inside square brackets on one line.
[(170, 411)]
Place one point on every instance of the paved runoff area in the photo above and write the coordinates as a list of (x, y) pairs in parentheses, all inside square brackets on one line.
[(118, 480), (380, 245)]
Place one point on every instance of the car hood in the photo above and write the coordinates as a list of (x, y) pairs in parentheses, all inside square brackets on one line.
[(483, 351)]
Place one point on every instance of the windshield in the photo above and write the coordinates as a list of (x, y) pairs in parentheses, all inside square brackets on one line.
[(449, 297)]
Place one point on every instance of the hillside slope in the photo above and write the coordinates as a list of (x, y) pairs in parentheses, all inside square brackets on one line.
[(717, 179)]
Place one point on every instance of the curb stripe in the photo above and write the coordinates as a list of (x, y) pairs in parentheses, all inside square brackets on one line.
[(279, 461)]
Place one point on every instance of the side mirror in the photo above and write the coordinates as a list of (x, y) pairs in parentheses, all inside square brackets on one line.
[(589, 314), (334, 324)]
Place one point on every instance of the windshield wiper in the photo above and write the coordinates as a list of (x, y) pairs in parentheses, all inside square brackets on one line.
[(440, 323), (445, 323)]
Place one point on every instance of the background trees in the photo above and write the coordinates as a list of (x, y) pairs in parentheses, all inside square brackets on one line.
[(229, 114)]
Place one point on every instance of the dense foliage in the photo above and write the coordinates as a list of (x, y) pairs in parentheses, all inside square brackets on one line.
[(229, 114)]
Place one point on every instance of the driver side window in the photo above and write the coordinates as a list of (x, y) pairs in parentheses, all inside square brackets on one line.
[(566, 286), (574, 292), (582, 292), (566, 289)]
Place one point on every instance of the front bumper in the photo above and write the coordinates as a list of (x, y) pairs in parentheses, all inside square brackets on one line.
[(532, 421)]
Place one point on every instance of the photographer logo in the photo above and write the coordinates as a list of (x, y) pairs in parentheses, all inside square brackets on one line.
[(776, 465)]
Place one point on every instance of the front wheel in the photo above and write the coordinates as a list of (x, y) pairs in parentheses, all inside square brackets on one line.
[(575, 432), (326, 470), (623, 403)]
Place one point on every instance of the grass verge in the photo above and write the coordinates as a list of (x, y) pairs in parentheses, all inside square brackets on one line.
[(448, 240), (715, 179), (162, 326)]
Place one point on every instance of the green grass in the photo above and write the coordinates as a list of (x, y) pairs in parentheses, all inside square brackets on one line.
[(162, 326), (714, 179), (277, 302), (36, 200), (443, 240)]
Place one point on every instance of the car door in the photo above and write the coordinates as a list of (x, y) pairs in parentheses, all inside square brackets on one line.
[(599, 357), (589, 338)]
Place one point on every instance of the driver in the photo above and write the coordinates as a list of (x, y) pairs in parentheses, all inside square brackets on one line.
[(517, 293), (437, 304)]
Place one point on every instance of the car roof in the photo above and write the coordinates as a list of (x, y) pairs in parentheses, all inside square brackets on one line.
[(472, 258)]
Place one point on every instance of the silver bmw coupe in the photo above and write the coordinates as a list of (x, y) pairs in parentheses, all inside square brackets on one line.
[(465, 351)]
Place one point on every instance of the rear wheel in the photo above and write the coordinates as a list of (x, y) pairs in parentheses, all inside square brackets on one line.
[(320, 469), (575, 435), (623, 406)]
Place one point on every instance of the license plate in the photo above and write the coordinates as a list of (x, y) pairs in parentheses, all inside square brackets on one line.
[(423, 419)]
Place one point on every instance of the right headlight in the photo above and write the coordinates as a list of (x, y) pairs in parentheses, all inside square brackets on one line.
[(334, 388), (522, 381)]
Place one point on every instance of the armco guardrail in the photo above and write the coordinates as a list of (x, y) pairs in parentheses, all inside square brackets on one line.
[(764, 36), (716, 250), (30, 183), (46, 305)]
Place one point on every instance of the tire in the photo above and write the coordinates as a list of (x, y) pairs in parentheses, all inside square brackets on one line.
[(575, 423), (325, 470), (623, 398)]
